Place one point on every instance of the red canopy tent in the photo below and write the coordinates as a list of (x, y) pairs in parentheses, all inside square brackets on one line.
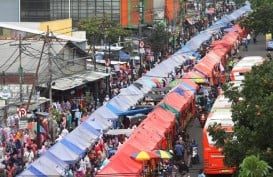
[(191, 83), (204, 69), (122, 163), (240, 30), (221, 52), (176, 101)]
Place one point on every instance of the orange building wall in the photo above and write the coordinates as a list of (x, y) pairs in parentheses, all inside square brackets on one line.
[(171, 9), (124, 13), (148, 11), (130, 12)]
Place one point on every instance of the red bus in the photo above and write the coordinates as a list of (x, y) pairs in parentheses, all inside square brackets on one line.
[(212, 156), (243, 66)]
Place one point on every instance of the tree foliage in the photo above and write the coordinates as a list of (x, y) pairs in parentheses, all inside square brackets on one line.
[(252, 166), (261, 19), (100, 28), (158, 39), (252, 114)]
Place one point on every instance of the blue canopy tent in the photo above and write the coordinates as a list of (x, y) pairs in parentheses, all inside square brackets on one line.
[(85, 141), (178, 58), (66, 151), (46, 165), (185, 49), (104, 112), (129, 112), (196, 41), (170, 65), (143, 85), (98, 123)]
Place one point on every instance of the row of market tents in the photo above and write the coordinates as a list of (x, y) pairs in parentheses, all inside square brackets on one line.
[(158, 123)]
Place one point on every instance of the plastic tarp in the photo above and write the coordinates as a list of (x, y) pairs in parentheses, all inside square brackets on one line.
[(219, 51), (176, 101), (98, 123), (85, 141), (129, 112), (127, 98), (121, 163), (206, 66), (185, 49), (65, 153), (178, 58), (104, 112), (196, 41), (121, 103), (189, 85), (46, 165)]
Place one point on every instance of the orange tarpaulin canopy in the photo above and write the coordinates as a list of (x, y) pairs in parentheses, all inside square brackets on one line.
[(190, 83), (239, 29), (206, 65), (220, 52), (176, 101)]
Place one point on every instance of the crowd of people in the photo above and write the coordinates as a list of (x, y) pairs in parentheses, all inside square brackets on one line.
[(19, 147)]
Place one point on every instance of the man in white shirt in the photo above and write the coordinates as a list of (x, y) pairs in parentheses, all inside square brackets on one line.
[(28, 156)]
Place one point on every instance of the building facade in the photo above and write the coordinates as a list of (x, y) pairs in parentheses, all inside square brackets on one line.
[(9, 11)]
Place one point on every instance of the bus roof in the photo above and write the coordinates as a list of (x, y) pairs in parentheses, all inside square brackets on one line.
[(221, 102), (246, 63)]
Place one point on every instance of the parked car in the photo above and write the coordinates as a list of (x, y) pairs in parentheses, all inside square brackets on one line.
[(269, 45)]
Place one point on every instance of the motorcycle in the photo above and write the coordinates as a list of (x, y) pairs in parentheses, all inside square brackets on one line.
[(195, 156)]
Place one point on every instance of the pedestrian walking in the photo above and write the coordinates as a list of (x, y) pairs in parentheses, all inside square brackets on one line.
[(183, 168), (201, 173), (248, 37)]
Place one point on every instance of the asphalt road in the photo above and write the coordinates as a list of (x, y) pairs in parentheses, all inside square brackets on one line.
[(194, 129)]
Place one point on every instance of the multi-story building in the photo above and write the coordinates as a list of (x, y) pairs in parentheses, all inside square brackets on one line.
[(129, 13)]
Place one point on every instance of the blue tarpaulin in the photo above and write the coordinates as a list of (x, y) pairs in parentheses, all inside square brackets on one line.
[(128, 112), (188, 87), (72, 147), (36, 171), (179, 91)]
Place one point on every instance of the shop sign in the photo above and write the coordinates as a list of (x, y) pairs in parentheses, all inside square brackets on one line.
[(23, 123), (5, 93)]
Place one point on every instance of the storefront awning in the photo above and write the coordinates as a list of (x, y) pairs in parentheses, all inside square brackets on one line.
[(76, 80)]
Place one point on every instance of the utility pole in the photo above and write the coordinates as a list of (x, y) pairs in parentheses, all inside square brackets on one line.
[(140, 22), (37, 70), (20, 69), (50, 71)]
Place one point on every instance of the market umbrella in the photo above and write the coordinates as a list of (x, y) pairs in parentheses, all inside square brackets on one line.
[(163, 154), (144, 155)]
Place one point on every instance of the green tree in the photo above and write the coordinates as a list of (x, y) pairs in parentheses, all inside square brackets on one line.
[(99, 28), (252, 115), (261, 19), (252, 166), (159, 39)]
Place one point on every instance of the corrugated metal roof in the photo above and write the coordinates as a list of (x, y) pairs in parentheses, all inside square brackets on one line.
[(22, 27), (9, 54), (67, 83)]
